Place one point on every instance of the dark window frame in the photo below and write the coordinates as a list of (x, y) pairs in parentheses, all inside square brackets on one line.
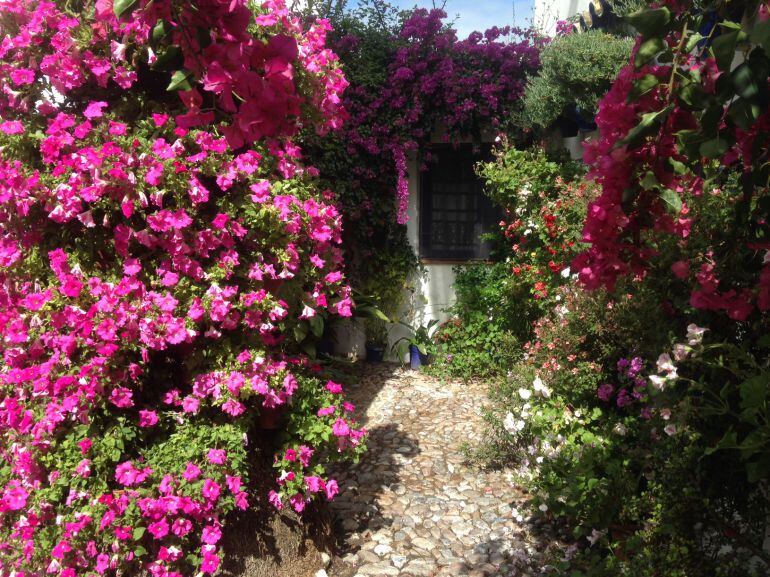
[(451, 218)]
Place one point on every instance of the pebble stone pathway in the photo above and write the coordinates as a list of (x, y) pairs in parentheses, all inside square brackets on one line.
[(413, 507)]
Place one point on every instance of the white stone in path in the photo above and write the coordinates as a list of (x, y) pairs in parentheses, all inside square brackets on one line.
[(419, 508)]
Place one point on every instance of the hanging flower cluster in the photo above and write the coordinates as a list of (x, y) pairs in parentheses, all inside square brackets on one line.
[(434, 82), (163, 251), (684, 121)]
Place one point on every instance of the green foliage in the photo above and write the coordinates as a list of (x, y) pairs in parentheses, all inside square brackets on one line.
[(379, 259), (516, 174), (479, 340), (638, 500), (577, 70), (421, 338)]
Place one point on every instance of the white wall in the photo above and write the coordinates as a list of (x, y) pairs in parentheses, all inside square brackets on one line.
[(548, 12), (433, 287)]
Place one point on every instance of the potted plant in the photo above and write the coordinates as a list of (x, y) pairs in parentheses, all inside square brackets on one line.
[(420, 345), (376, 340)]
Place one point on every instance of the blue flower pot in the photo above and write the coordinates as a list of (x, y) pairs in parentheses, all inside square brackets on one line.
[(416, 358)]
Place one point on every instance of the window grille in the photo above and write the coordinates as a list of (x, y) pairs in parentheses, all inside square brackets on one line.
[(454, 212)]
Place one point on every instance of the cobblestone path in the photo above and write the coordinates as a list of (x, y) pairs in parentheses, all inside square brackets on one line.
[(414, 507)]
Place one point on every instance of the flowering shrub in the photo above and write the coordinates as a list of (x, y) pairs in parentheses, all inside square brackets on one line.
[(432, 81), (410, 77), (677, 124), (618, 448), (164, 256), (544, 207), (651, 450), (498, 303)]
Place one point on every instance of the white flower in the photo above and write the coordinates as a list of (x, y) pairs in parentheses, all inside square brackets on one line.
[(620, 429), (539, 460), (665, 414), (680, 352), (665, 363), (525, 393), (670, 430), (695, 334), (513, 425), (565, 273), (543, 507), (540, 387), (517, 515), (594, 536), (658, 382)]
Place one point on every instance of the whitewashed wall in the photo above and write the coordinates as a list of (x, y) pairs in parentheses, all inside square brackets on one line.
[(429, 293), (549, 12)]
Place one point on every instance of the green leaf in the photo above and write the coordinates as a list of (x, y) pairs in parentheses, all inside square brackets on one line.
[(649, 22), (743, 81), (649, 50), (723, 48), (754, 391), (371, 312), (138, 533), (672, 199), (180, 80), (714, 148), (317, 325), (648, 123), (309, 348), (643, 86), (169, 59), (692, 94), (121, 7), (649, 181), (140, 551), (160, 30), (679, 167), (729, 441), (300, 332), (692, 42), (760, 34)]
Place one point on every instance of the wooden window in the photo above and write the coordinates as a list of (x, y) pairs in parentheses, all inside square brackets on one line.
[(454, 212)]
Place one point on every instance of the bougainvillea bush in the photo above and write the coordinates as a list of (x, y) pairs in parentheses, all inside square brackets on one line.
[(435, 82), (164, 256), (412, 82)]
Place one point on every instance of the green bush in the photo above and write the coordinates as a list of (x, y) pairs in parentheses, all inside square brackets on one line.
[(517, 175), (480, 338), (577, 70)]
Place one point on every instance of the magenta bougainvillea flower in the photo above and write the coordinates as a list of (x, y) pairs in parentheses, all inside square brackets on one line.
[(160, 241)]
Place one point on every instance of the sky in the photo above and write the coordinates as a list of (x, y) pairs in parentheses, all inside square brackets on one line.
[(480, 14)]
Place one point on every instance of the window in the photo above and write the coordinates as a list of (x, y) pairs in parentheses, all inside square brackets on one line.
[(454, 212)]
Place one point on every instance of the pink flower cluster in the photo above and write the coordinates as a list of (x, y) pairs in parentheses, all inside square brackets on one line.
[(651, 188), (153, 278), (434, 81)]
